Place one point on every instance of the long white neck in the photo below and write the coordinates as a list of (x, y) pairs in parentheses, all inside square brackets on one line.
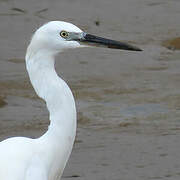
[(56, 93), (59, 101)]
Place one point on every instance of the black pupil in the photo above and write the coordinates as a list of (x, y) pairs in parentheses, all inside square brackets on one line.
[(64, 34)]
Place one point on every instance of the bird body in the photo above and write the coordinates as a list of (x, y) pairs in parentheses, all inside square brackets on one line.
[(45, 158), (25, 159), (21, 154)]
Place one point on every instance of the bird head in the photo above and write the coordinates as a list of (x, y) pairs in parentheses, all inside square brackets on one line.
[(56, 36)]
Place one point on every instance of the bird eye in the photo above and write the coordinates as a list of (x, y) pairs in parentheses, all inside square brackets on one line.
[(64, 34)]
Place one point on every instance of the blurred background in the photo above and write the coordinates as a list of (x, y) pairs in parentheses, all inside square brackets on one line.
[(128, 102)]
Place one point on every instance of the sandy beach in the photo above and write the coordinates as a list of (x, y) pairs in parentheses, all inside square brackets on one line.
[(128, 103)]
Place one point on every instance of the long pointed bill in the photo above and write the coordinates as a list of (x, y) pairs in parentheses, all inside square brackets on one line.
[(103, 42)]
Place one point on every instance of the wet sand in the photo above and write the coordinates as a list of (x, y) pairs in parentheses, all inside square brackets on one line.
[(128, 102)]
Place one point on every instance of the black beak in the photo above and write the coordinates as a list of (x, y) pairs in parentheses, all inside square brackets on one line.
[(99, 41)]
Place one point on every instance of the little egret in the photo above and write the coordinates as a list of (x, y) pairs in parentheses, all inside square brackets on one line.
[(44, 158)]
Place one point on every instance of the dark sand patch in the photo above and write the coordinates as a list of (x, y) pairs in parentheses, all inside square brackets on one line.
[(173, 44), (2, 102)]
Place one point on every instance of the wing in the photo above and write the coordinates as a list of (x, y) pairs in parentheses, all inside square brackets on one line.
[(36, 170)]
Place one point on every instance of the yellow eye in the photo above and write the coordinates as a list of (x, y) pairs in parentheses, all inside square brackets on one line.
[(64, 34)]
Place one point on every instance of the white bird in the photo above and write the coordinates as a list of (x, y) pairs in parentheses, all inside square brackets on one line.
[(45, 158)]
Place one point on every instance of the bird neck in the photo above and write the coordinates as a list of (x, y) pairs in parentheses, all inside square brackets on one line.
[(56, 93)]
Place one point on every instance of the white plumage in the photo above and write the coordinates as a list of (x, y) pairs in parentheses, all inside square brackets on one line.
[(44, 158)]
